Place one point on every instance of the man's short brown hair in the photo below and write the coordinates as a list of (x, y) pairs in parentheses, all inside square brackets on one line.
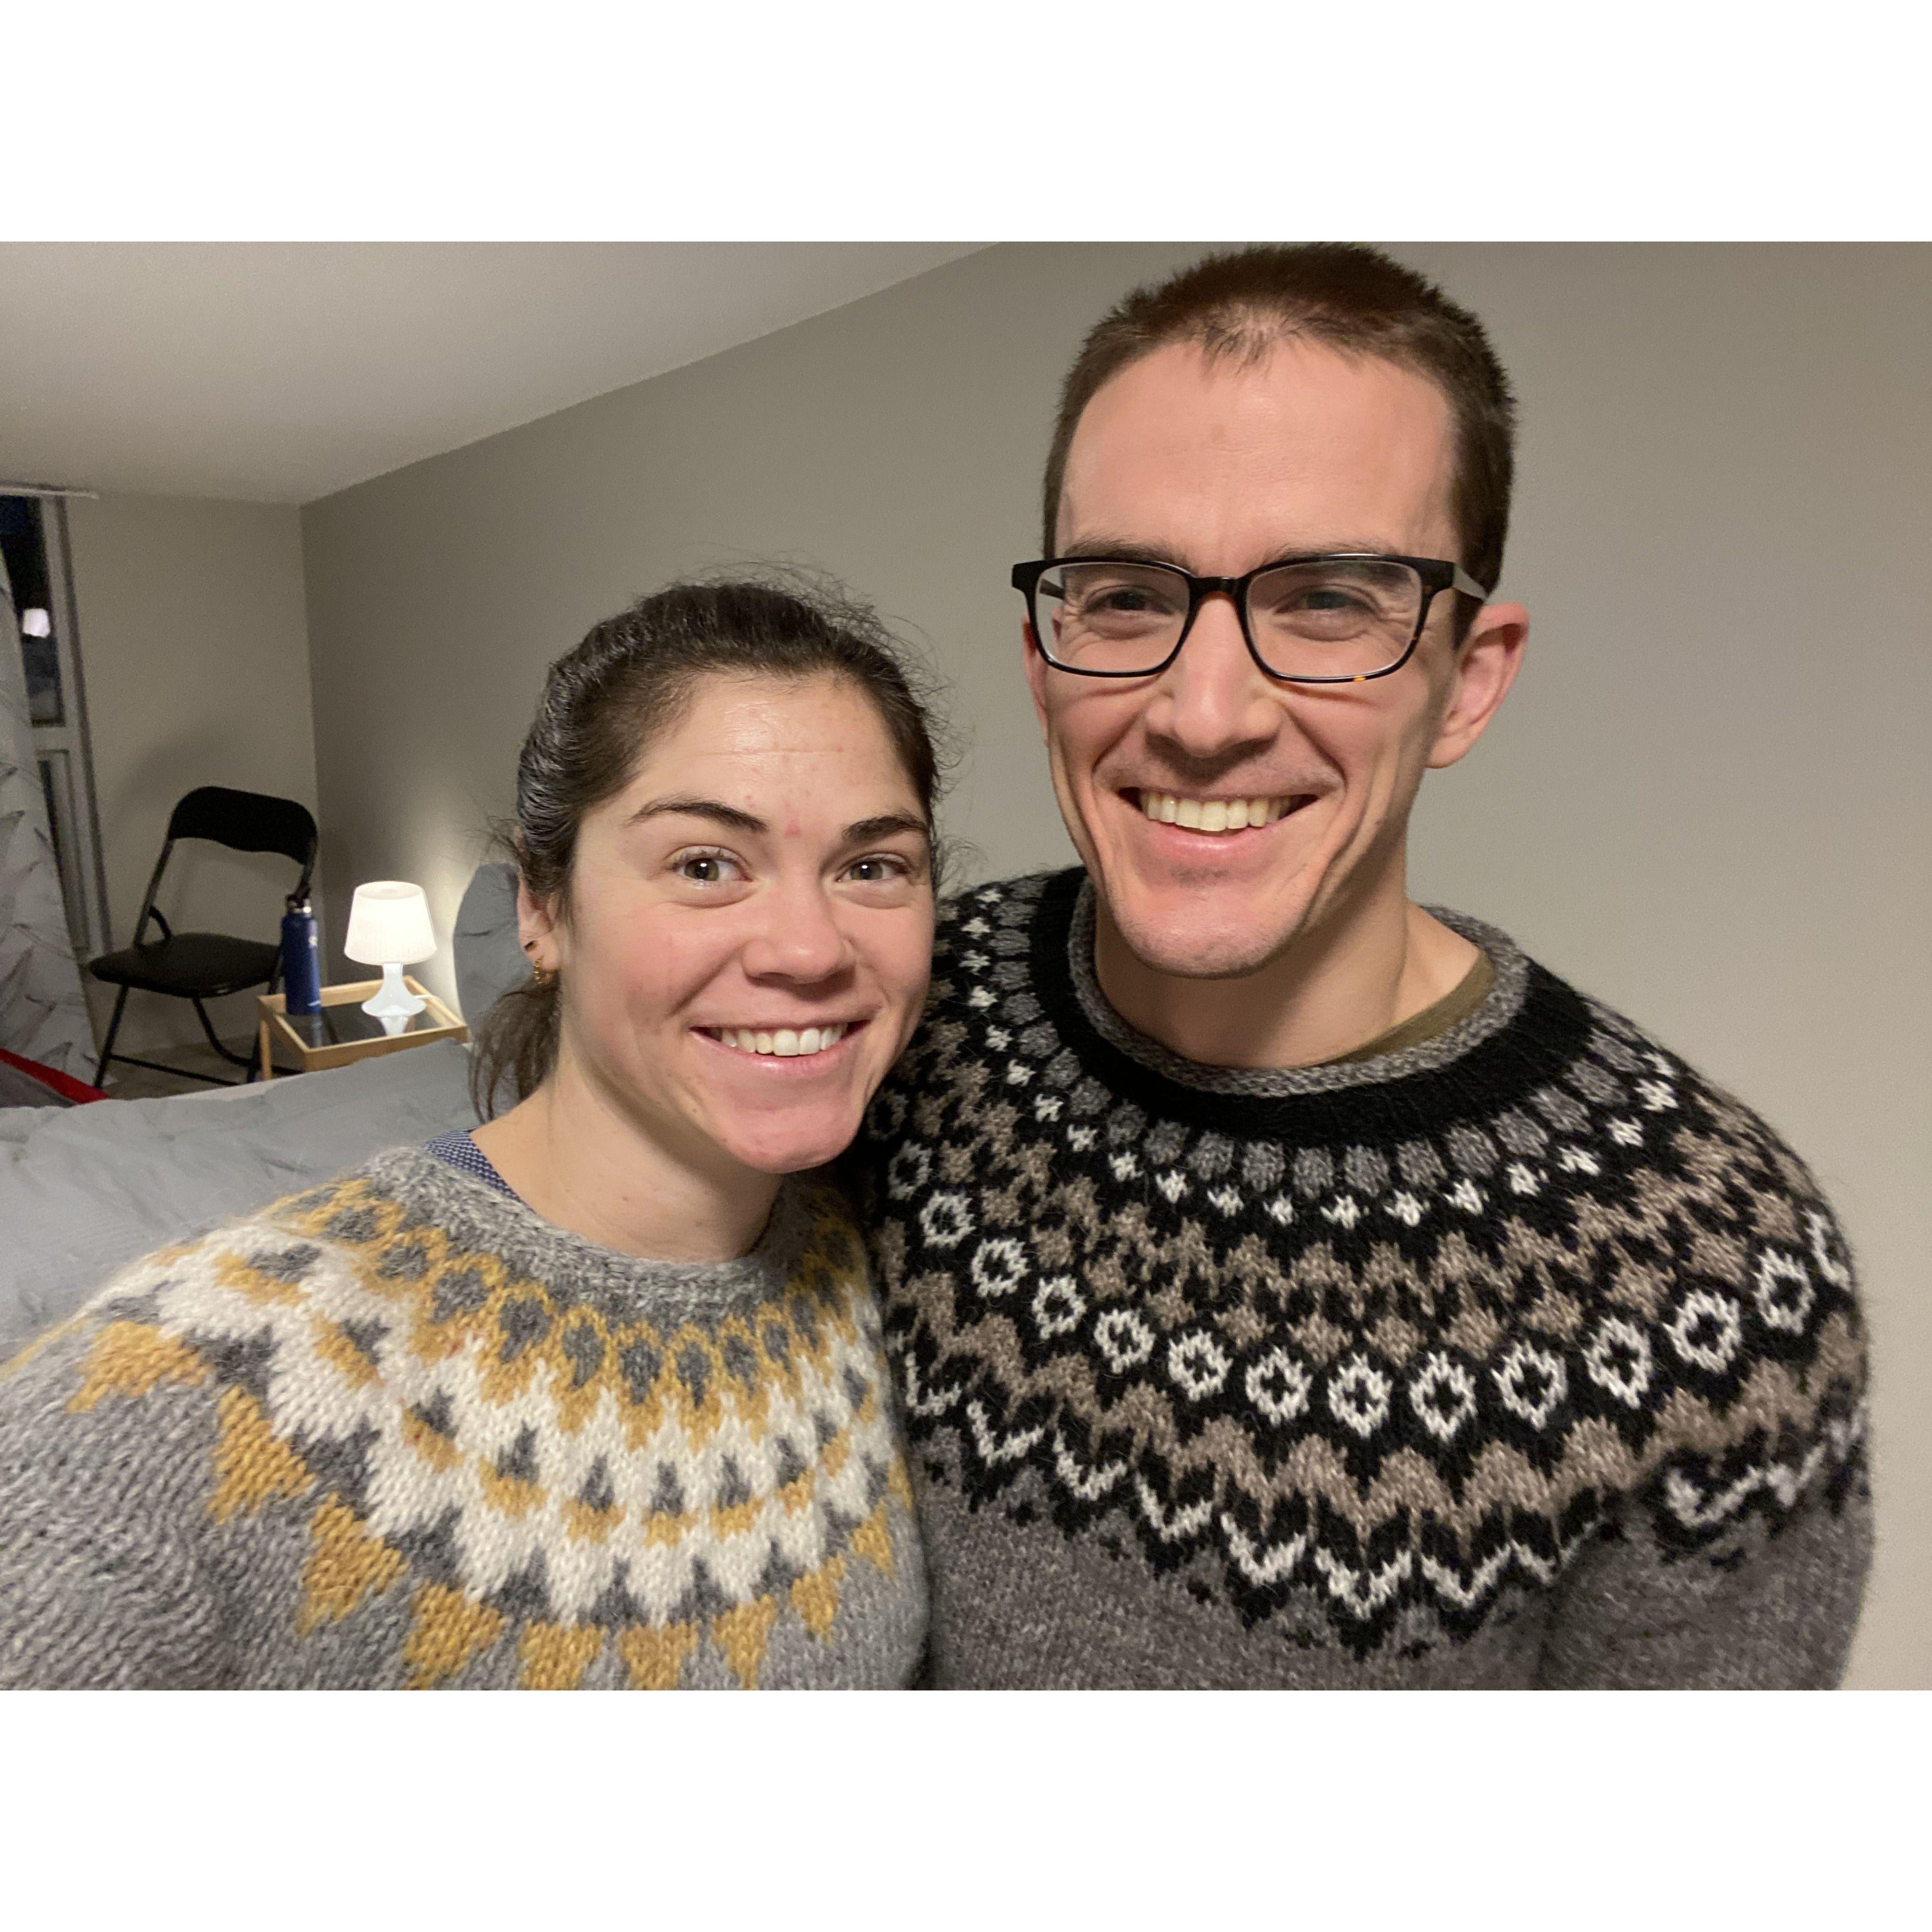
[(1351, 298)]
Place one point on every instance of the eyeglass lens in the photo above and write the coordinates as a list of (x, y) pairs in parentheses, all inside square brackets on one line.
[(1328, 617)]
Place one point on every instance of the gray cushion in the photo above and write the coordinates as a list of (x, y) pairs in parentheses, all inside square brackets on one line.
[(489, 961)]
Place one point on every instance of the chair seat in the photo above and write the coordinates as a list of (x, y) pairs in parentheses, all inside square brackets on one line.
[(190, 965)]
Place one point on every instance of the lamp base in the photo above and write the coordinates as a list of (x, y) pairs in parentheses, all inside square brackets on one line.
[(392, 1002)]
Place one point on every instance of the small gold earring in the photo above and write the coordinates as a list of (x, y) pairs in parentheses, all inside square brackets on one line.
[(541, 975)]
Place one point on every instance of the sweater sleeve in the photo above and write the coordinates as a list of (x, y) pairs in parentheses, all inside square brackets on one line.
[(1772, 1608), (1734, 1556), (87, 1608), (100, 1587)]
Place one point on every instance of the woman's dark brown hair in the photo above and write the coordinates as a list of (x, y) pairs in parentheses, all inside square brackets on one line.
[(632, 678)]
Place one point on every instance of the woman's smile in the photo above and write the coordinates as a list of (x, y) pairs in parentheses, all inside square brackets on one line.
[(781, 1041)]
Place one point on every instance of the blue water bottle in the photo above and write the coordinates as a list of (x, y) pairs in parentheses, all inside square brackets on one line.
[(301, 958)]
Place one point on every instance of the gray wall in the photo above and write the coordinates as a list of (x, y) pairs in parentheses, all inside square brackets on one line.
[(194, 640), (1706, 801)]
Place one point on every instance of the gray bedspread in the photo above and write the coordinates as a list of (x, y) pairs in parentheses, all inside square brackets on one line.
[(83, 1190)]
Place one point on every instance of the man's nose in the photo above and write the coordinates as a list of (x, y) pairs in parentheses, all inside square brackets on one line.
[(1214, 698), (799, 937)]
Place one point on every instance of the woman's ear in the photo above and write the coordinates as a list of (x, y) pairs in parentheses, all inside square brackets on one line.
[(536, 931)]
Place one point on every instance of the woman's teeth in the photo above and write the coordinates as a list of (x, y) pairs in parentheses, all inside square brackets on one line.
[(784, 1041), (1212, 814)]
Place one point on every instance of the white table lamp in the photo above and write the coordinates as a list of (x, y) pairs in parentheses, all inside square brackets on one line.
[(388, 927)]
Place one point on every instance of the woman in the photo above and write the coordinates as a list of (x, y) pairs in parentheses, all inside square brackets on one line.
[(592, 1395)]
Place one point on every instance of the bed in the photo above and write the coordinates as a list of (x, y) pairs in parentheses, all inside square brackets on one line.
[(85, 1189)]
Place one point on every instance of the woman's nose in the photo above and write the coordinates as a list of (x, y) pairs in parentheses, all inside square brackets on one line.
[(798, 938)]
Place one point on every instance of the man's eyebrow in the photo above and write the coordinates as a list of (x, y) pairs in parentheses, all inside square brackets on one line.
[(884, 827), (714, 809), (1108, 550)]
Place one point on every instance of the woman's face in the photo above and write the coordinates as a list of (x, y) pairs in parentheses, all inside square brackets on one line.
[(750, 927)]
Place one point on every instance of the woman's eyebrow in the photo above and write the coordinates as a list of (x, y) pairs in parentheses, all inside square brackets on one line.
[(884, 827), (714, 809)]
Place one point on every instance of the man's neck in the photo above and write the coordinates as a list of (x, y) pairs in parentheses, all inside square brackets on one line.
[(1332, 990), (577, 1159)]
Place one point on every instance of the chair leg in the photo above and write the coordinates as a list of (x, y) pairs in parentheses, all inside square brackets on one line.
[(113, 1027), (208, 1027)]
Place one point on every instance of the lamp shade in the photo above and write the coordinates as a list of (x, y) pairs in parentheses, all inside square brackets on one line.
[(388, 925)]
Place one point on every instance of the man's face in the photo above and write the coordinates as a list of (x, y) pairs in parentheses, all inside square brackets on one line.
[(1220, 467)]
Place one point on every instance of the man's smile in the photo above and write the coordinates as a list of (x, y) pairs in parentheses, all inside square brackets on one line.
[(1197, 812)]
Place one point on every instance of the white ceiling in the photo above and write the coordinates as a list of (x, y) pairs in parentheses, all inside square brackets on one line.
[(281, 371)]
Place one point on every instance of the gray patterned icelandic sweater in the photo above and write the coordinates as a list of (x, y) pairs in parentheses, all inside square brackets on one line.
[(1520, 1357), (399, 1431)]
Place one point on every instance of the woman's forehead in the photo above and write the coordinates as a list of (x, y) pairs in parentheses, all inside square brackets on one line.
[(808, 743)]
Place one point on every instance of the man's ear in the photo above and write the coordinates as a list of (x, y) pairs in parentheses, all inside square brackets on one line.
[(536, 931), (1036, 672), (1485, 667)]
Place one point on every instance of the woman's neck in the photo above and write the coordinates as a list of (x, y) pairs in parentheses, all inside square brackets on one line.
[(579, 1160)]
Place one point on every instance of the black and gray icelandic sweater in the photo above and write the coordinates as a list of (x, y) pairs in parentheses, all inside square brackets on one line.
[(1522, 1357)]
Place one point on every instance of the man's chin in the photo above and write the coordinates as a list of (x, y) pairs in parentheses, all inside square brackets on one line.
[(1190, 943)]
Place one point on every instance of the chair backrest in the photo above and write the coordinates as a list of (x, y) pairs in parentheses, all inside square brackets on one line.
[(246, 821)]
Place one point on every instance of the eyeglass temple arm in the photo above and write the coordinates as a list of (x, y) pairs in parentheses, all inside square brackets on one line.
[(1469, 587)]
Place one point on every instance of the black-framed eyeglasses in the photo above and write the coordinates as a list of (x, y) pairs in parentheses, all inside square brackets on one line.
[(1338, 618)]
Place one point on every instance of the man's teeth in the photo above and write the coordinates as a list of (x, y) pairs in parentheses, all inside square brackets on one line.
[(1212, 814), (783, 1042)]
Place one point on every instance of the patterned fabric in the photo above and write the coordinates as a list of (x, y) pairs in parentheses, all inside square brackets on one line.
[(466, 1157), (1521, 1356), (398, 1431)]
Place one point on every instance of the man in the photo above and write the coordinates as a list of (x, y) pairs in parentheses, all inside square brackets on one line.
[(1290, 1286)]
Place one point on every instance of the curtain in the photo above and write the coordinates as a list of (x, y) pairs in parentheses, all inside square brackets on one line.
[(43, 1012)]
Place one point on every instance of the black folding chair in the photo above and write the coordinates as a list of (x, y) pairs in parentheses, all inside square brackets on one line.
[(200, 966)]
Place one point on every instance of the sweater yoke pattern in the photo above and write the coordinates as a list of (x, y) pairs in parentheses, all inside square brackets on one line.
[(380, 1433), (1367, 1356)]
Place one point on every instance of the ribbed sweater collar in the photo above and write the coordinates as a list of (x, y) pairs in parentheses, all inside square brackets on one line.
[(478, 1218), (1525, 1032)]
